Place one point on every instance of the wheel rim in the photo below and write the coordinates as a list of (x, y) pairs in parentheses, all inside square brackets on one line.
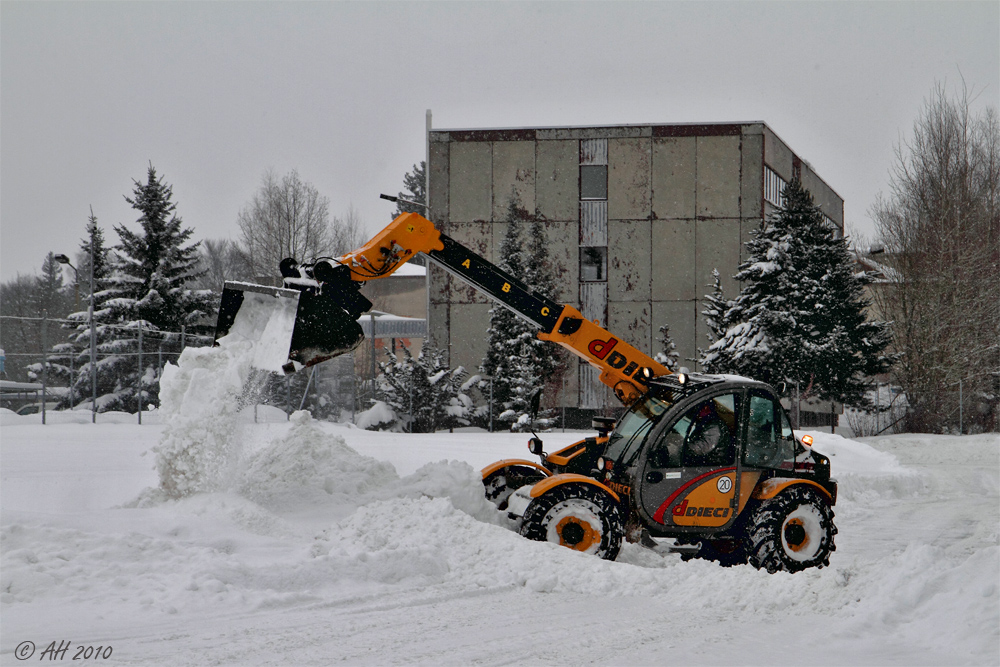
[(802, 533), (575, 524)]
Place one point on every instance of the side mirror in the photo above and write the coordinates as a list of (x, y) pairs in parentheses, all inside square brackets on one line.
[(603, 425)]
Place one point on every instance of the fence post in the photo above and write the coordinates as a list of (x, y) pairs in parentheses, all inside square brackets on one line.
[(45, 362), (960, 424), (878, 418), (139, 382), (563, 401), (796, 408), (72, 379), (305, 394), (374, 393)]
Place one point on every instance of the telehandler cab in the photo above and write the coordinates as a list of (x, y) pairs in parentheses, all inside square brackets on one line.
[(710, 461)]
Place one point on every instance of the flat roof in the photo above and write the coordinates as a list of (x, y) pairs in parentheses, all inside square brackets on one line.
[(528, 133), (597, 127)]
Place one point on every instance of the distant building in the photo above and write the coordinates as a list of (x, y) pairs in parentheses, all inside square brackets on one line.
[(637, 216), (403, 294)]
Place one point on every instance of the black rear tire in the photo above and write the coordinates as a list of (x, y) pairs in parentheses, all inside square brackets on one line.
[(792, 531), (579, 516), (499, 484)]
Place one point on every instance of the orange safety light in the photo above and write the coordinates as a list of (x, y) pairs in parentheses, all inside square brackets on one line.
[(807, 440)]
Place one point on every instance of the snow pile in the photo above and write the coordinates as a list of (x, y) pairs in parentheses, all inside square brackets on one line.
[(317, 545), (377, 417), (864, 473), (307, 465), (459, 482), (199, 401)]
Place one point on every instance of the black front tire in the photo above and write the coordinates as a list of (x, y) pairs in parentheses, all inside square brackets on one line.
[(579, 516), (792, 531), (499, 484)]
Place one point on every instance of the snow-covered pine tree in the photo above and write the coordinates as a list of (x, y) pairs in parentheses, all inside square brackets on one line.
[(800, 316), (668, 354), (548, 360), (50, 293), (716, 306), (149, 290), (415, 184), (510, 352), (105, 334), (50, 300), (424, 393)]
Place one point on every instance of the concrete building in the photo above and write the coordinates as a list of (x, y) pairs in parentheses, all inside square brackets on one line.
[(637, 216)]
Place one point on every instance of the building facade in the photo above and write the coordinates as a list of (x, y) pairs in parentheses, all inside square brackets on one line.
[(637, 218)]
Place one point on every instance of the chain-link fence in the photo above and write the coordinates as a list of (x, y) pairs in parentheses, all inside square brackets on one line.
[(41, 377)]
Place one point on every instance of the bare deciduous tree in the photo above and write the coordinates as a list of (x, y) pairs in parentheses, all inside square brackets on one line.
[(221, 260), (19, 336), (348, 232), (285, 218), (940, 226)]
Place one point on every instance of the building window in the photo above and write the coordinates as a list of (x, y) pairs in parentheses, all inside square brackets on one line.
[(774, 188), (593, 254), (593, 169), (593, 264), (593, 181)]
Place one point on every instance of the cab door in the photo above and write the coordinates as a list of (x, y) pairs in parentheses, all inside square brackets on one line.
[(689, 476)]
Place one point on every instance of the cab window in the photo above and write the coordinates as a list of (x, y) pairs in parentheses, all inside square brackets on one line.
[(770, 442), (634, 426), (704, 436)]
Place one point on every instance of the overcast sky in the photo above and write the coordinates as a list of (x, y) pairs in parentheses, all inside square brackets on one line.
[(213, 94)]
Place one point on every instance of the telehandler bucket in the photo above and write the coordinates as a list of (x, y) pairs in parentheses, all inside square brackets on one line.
[(292, 329)]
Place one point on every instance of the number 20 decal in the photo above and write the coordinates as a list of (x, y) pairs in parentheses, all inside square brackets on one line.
[(724, 484)]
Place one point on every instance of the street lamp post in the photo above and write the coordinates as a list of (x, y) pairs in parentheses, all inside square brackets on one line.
[(63, 259)]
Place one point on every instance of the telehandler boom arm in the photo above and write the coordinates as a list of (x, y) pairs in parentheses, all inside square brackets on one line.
[(623, 367)]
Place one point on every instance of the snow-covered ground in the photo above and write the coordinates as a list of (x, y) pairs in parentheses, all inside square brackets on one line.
[(327, 544)]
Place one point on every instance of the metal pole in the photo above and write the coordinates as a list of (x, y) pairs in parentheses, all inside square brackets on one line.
[(305, 394), (960, 424), (564, 401), (491, 405), (72, 376), (45, 362), (139, 382), (374, 395), (798, 407), (878, 419)]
